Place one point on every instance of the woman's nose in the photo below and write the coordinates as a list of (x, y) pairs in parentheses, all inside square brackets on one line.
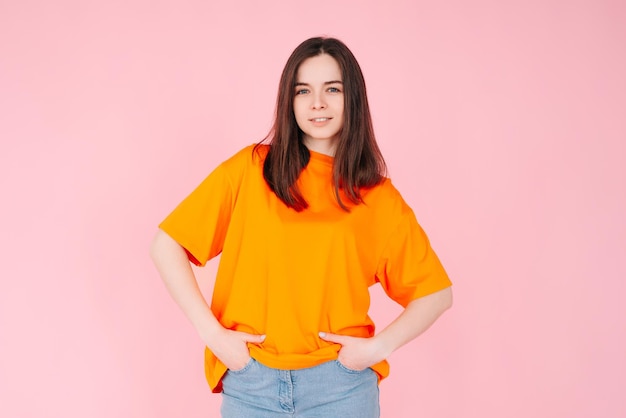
[(318, 102)]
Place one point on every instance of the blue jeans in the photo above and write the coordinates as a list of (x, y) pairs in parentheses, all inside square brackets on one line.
[(325, 391)]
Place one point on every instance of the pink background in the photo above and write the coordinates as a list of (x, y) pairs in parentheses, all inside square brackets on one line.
[(504, 126)]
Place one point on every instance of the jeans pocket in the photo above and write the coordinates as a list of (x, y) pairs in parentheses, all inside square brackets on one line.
[(245, 368), (349, 370)]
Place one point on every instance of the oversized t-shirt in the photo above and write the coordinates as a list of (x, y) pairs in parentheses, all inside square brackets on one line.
[(290, 275)]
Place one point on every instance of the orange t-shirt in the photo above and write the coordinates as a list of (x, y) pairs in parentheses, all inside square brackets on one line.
[(290, 275)]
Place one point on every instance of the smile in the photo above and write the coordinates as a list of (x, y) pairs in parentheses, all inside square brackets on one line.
[(319, 119)]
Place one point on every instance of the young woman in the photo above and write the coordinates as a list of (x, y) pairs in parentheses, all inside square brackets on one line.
[(304, 224)]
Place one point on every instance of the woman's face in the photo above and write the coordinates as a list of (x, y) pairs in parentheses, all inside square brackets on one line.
[(318, 103)]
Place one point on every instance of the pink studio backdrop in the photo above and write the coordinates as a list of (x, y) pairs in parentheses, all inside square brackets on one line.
[(503, 124)]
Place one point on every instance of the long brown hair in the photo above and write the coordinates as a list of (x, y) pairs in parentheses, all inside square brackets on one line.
[(358, 162)]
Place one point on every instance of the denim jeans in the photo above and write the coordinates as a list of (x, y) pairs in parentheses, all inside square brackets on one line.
[(325, 391)]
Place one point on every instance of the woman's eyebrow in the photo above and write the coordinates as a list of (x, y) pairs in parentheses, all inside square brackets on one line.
[(325, 83)]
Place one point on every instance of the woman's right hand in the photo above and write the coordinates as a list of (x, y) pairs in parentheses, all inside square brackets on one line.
[(231, 347), (173, 264)]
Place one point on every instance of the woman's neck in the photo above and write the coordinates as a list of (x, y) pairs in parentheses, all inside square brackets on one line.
[(322, 146)]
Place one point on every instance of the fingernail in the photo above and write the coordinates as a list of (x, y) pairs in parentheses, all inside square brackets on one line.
[(262, 338), (322, 334)]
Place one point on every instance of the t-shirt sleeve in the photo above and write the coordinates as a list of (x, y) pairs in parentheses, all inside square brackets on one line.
[(409, 268), (199, 223)]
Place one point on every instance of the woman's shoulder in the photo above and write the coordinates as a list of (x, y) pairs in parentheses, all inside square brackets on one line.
[(385, 190), (385, 196), (251, 155)]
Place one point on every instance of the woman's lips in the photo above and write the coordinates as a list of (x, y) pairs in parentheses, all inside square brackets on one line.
[(320, 121)]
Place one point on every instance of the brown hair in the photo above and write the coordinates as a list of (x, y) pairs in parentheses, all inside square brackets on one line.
[(358, 162)]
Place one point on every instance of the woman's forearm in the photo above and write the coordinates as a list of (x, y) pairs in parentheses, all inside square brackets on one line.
[(173, 265), (416, 318)]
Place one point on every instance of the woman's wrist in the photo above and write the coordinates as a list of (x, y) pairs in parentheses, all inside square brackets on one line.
[(210, 330), (383, 347)]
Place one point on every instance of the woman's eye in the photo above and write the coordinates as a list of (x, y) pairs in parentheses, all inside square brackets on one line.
[(334, 90), (302, 91)]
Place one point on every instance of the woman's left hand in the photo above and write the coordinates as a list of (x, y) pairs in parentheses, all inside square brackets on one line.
[(357, 353)]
